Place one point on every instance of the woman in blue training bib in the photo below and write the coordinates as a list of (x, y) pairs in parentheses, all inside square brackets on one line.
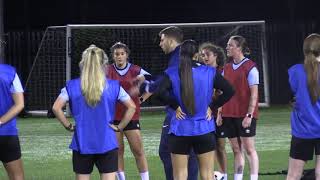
[(305, 116), (192, 85), (11, 104), (92, 100)]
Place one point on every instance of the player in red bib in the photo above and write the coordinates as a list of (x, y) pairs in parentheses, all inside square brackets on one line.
[(128, 74), (240, 113)]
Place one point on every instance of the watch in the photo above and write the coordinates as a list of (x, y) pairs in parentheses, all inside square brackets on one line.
[(249, 115)]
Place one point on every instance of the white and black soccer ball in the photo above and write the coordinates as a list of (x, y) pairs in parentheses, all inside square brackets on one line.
[(217, 175)]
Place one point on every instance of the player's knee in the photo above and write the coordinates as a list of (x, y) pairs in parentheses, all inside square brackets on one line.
[(317, 173), (181, 174), (250, 150), (16, 176), (206, 176), (19, 177), (138, 152), (293, 176), (221, 149), (236, 150)]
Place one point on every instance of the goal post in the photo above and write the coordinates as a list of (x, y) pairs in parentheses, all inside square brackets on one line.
[(61, 48)]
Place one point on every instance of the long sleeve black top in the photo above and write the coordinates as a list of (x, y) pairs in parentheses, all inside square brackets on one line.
[(220, 83)]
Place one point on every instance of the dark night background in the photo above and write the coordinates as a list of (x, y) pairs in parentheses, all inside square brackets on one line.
[(288, 22)]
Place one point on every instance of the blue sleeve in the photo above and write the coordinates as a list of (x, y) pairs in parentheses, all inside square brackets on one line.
[(293, 80), (154, 85)]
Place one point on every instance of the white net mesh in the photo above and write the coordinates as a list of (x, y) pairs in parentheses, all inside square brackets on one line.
[(49, 71)]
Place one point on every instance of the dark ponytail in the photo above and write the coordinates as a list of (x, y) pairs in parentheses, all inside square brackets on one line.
[(187, 50), (311, 50)]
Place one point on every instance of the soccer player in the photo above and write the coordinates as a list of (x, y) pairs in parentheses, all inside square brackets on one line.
[(128, 74), (305, 116), (92, 100), (214, 56), (170, 40), (11, 103), (240, 114), (191, 128)]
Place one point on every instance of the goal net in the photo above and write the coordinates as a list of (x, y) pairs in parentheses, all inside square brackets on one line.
[(61, 48)]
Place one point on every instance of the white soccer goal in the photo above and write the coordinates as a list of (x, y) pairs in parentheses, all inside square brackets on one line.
[(61, 48)]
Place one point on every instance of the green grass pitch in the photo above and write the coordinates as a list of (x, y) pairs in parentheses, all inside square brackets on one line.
[(45, 142)]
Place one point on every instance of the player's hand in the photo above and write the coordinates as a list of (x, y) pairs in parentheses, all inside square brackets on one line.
[(293, 102), (138, 80), (209, 114), (246, 122), (114, 127), (144, 97), (134, 91), (70, 128), (219, 120), (179, 114)]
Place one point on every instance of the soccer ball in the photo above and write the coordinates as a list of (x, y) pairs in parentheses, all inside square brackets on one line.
[(217, 175)]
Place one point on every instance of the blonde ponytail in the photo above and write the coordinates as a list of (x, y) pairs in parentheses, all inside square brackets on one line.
[(93, 77)]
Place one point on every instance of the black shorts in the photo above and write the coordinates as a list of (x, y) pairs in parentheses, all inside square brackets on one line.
[(106, 163), (132, 125), (200, 144), (303, 149), (221, 130), (233, 127), (9, 148)]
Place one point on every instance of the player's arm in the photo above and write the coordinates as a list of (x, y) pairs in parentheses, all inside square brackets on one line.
[(57, 107), (125, 99), (141, 81), (147, 88), (15, 109), (253, 99), (162, 92), (253, 81), (17, 96), (221, 84), (293, 86), (144, 76), (153, 84)]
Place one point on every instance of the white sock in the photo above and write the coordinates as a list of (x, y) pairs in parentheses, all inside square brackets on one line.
[(225, 176), (238, 176), (120, 175), (254, 177), (144, 175)]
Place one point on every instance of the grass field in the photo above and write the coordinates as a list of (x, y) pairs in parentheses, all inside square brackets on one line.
[(46, 155)]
